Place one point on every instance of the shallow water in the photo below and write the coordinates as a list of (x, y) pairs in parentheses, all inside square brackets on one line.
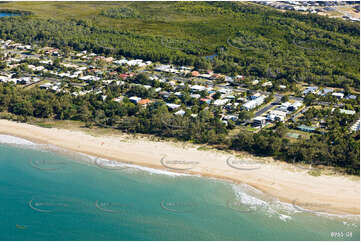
[(49, 194)]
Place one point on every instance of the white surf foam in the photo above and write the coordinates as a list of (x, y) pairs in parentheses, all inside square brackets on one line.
[(116, 164), (257, 200), (157, 171), (284, 217), (7, 139)]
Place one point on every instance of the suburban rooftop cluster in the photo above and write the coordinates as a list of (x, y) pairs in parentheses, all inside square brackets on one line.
[(243, 102), (348, 10)]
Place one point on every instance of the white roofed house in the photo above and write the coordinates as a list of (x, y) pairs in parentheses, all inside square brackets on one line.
[(180, 112), (4, 79), (220, 102), (259, 122), (197, 88), (284, 106), (88, 78), (36, 68), (117, 99), (134, 99), (267, 84), (276, 115), (348, 112), (46, 86), (173, 106), (255, 82), (294, 106), (196, 96), (224, 91), (325, 91), (356, 126), (229, 79), (253, 103), (313, 90), (338, 95)]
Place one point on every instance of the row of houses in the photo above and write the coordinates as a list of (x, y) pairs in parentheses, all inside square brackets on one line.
[(19, 80), (325, 91), (278, 114)]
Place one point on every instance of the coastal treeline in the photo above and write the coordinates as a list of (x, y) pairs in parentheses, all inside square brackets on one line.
[(337, 147), (245, 39)]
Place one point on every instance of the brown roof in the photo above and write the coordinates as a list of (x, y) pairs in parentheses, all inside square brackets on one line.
[(144, 101), (195, 73)]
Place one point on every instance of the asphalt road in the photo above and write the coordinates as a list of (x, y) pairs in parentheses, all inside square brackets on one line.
[(268, 107)]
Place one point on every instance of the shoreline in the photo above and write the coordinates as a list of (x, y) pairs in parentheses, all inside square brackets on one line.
[(337, 195)]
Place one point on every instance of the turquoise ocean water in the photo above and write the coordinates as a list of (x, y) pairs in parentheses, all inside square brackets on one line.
[(48, 194)]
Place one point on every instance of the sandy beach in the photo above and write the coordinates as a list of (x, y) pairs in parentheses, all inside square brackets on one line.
[(289, 183)]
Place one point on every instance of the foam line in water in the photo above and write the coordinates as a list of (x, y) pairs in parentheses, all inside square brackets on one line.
[(256, 199), (8, 139), (115, 164)]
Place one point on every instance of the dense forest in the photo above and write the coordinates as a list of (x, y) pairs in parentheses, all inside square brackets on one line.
[(246, 39), (338, 147)]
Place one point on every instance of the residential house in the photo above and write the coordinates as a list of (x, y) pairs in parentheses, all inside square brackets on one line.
[(144, 101), (349, 112), (220, 102), (356, 126), (180, 112), (134, 99), (276, 115), (308, 90), (253, 103), (259, 122), (339, 95), (173, 106)]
